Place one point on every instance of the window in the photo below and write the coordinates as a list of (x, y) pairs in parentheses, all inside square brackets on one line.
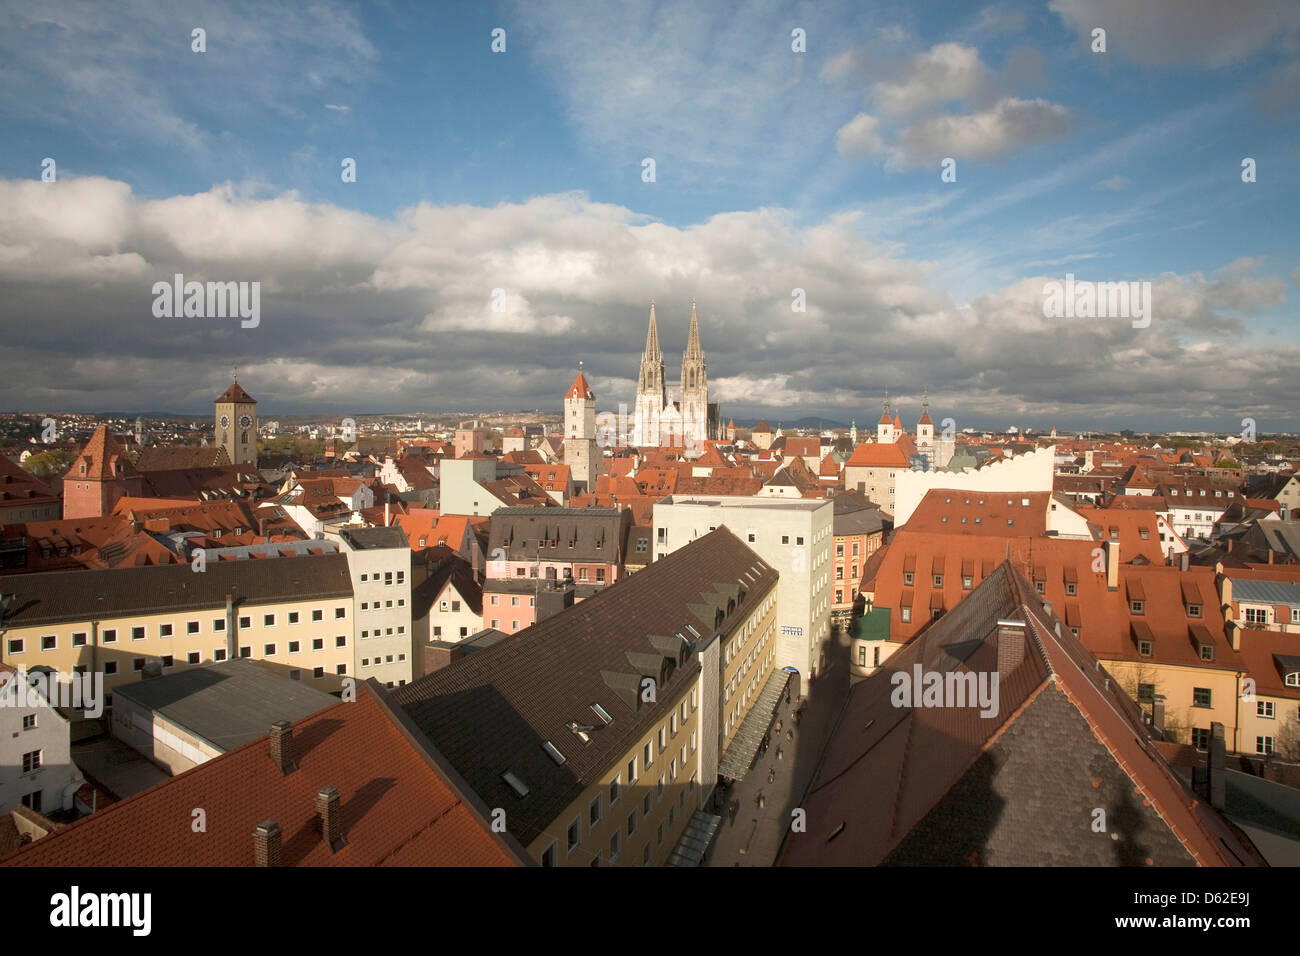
[(1200, 738), (268, 650), (110, 668), (318, 672), (1137, 607), (575, 834), (593, 814), (31, 761), (218, 624), (1144, 648), (29, 721), (137, 663), (340, 668), (1071, 589), (798, 540), (1263, 745), (1207, 652), (341, 641), (192, 657), (907, 579), (340, 613), (137, 633), (268, 620), (219, 654), (168, 660), (49, 642), (191, 627), (293, 617), (318, 615), (614, 843), (245, 652), (631, 771), (648, 756), (109, 636), (862, 655), (1264, 708), (1200, 697), (245, 622), (905, 614), (164, 630), (548, 856), (613, 791), (663, 739), (317, 643), (659, 791), (1256, 615)]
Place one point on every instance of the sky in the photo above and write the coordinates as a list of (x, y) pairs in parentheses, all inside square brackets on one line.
[(913, 173)]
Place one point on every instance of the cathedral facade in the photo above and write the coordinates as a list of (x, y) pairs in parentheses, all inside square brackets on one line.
[(686, 417)]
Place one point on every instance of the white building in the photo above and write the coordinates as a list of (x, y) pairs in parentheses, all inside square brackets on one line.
[(36, 768), (794, 536), (379, 562), (1033, 471)]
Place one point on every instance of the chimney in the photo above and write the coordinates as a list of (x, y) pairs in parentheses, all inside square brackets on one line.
[(282, 746), (327, 809), (266, 844), (1112, 565), (1184, 560), (387, 519), (232, 639), (1230, 540), (1216, 766), (1011, 645), (1158, 713)]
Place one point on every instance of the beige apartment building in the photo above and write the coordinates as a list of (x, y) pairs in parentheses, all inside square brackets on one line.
[(597, 733), (294, 612)]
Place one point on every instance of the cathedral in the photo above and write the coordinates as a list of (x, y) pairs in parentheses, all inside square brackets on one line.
[(667, 420)]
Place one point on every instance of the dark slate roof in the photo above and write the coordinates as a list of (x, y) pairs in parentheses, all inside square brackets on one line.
[(173, 457), (491, 712), (527, 534), (368, 539), (55, 596), (855, 513), (236, 393), (227, 704), (904, 785)]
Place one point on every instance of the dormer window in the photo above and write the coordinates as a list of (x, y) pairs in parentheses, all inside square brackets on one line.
[(1193, 610)]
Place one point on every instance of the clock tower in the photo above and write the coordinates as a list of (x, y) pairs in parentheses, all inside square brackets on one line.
[(236, 420)]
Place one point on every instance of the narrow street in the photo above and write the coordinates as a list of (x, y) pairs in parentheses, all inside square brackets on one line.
[(754, 836)]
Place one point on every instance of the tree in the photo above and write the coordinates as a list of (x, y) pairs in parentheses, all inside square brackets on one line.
[(49, 464)]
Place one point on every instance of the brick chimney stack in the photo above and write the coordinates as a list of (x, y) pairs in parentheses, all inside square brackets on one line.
[(327, 808), (266, 844), (282, 746), (1011, 646)]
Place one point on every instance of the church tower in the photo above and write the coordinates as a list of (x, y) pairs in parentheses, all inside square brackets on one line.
[(651, 391), (925, 426), (581, 453), (885, 427), (695, 386), (236, 418)]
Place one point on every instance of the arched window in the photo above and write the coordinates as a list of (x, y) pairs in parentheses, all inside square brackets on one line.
[(243, 438)]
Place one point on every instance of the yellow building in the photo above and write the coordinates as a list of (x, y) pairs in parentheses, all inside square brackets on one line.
[(596, 735), (295, 612)]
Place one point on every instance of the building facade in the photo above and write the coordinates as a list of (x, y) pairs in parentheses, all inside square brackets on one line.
[(659, 418)]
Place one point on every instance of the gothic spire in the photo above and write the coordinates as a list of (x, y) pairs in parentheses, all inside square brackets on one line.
[(652, 336), (693, 349)]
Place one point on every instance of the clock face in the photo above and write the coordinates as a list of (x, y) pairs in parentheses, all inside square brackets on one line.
[(225, 421), (245, 421)]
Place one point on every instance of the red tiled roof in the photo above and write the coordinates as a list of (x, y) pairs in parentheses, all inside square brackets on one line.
[(580, 388), (236, 393), (398, 806), (878, 455)]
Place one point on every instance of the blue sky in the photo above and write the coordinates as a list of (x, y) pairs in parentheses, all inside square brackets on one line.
[(817, 170)]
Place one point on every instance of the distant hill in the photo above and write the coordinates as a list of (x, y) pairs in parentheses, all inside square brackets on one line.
[(807, 423)]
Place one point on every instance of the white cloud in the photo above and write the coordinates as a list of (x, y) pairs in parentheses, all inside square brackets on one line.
[(1010, 124), (363, 312), (945, 73), (337, 107), (1113, 184), (860, 136), (1209, 33)]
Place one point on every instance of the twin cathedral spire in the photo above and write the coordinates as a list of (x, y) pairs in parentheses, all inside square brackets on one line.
[(661, 419)]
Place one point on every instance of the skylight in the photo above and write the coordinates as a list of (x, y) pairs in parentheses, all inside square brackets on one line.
[(517, 785), (553, 752), (602, 714)]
